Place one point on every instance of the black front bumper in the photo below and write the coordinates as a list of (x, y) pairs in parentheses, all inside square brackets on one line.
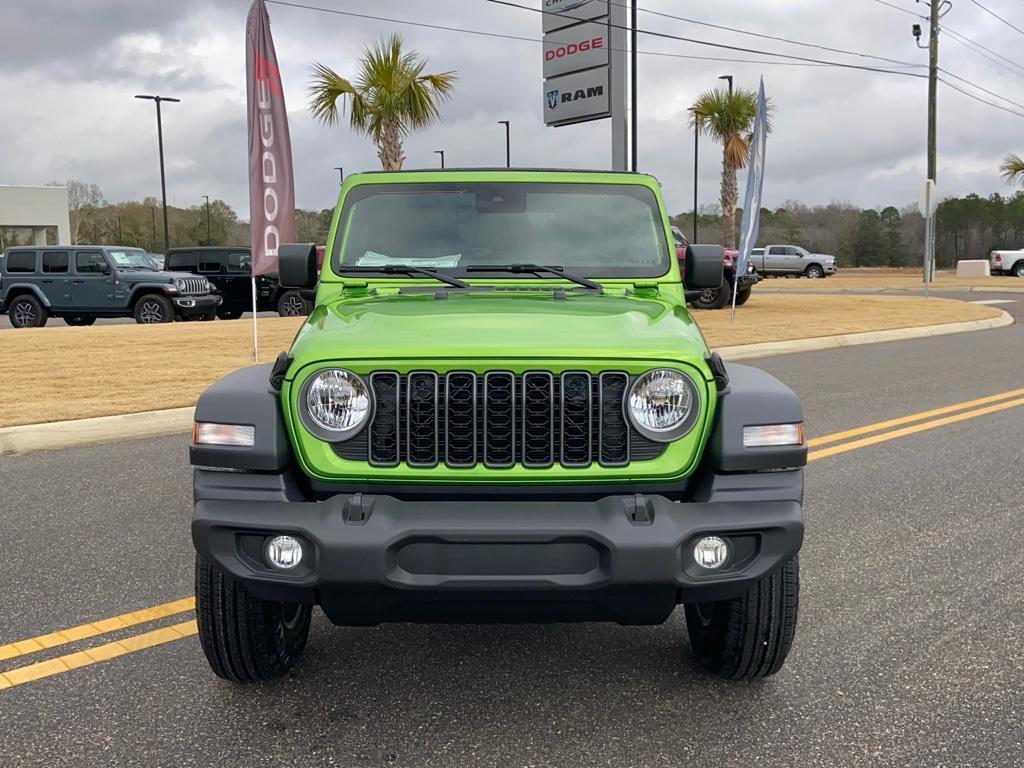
[(189, 306), (375, 558)]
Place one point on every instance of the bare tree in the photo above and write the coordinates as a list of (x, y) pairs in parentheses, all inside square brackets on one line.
[(84, 203)]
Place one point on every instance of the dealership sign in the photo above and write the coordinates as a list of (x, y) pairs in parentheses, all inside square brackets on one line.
[(562, 13), (581, 47), (577, 61)]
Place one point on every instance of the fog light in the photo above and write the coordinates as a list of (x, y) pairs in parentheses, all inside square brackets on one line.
[(711, 552), (284, 552)]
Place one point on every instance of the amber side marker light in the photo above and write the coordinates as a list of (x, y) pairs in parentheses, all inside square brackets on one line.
[(210, 433), (769, 435)]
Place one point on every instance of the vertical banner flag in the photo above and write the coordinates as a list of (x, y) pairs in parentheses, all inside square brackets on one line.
[(271, 186), (752, 198)]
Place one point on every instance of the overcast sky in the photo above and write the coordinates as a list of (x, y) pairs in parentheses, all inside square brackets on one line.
[(69, 71)]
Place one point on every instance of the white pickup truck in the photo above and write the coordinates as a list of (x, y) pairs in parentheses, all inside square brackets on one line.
[(1007, 263), (791, 260)]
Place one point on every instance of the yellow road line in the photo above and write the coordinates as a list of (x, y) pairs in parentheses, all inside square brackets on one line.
[(92, 629), (112, 650), (896, 433), (911, 418)]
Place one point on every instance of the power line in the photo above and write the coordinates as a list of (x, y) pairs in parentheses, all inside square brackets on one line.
[(983, 101), (997, 16), (979, 87), (901, 9), (503, 36), (680, 38), (773, 37), (981, 50)]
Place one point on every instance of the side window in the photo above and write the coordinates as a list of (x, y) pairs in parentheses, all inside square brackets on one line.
[(238, 261), (210, 262), (181, 261), (55, 261), (89, 263), (21, 261)]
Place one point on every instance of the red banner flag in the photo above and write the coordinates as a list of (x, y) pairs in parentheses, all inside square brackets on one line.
[(271, 185)]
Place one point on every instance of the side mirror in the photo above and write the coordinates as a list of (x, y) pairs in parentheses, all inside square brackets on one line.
[(296, 265), (703, 267), (105, 268)]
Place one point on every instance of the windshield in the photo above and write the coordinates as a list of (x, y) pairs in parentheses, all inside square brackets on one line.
[(594, 230), (132, 257)]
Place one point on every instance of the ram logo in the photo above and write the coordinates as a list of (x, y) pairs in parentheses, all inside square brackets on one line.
[(552, 99)]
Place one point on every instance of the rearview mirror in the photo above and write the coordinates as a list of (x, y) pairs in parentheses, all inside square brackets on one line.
[(296, 265), (703, 267)]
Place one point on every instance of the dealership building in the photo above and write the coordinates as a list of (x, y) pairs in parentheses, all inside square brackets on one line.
[(37, 209)]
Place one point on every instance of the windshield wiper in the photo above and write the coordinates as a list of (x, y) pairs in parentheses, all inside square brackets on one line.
[(535, 269), (396, 269)]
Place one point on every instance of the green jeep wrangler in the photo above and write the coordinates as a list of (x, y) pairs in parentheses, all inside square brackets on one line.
[(498, 410)]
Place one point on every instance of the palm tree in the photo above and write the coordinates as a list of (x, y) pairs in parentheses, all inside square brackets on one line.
[(390, 97), (729, 119), (1012, 169)]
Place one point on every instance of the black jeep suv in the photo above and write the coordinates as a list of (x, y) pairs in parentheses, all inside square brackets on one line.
[(80, 283), (229, 268)]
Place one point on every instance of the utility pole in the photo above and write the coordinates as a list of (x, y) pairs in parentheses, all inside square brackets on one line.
[(933, 83), (632, 86)]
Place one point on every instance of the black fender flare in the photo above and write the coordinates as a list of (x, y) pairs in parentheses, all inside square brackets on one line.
[(752, 398), (244, 397), (16, 289)]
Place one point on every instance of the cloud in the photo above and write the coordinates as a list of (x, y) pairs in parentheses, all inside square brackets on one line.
[(71, 69)]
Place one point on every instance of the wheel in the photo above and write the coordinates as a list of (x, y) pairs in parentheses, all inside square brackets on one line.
[(246, 640), (80, 319), (749, 636), (27, 312), (814, 272), (1018, 269), (714, 298), (154, 308), (743, 295), (225, 313), (291, 304)]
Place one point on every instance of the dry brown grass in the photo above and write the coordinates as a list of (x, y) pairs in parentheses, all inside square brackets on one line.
[(907, 279), (51, 374)]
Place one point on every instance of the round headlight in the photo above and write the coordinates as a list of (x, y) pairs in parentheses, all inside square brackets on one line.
[(336, 403), (663, 404)]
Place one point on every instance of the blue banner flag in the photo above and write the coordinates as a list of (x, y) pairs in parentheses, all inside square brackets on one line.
[(755, 180)]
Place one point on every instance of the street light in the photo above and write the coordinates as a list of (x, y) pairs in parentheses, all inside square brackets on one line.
[(160, 140), (508, 147), (341, 173), (729, 78), (152, 208), (696, 159), (441, 153), (209, 238)]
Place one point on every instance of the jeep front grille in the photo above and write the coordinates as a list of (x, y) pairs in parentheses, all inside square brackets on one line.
[(193, 285), (499, 419)]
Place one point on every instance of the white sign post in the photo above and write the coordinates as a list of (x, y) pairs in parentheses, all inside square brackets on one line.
[(585, 66), (927, 204)]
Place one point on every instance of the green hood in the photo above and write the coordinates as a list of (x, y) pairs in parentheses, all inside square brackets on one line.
[(500, 324)]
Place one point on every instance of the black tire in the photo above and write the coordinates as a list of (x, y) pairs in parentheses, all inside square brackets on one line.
[(154, 308), (814, 272), (749, 636), (291, 304), (714, 298), (246, 640), (79, 320), (743, 295), (1018, 269), (27, 311), (225, 313)]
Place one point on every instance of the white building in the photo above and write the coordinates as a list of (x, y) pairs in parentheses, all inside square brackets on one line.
[(36, 208)]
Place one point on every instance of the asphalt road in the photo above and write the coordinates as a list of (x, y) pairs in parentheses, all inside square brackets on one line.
[(908, 650)]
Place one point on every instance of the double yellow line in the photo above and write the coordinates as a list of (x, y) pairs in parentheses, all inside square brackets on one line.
[(836, 443)]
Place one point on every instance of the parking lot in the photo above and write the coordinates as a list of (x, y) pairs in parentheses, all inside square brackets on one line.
[(907, 652)]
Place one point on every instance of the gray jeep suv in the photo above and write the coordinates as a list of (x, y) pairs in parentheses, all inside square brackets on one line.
[(80, 283)]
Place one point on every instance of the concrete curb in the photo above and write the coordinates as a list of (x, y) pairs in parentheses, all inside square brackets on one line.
[(888, 291), (105, 429), (748, 351), (102, 429)]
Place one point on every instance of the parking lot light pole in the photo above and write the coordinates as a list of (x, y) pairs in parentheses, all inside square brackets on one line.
[(152, 209), (341, 173), (209, 239), (508, 146), (160, 142), (441, 153)]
